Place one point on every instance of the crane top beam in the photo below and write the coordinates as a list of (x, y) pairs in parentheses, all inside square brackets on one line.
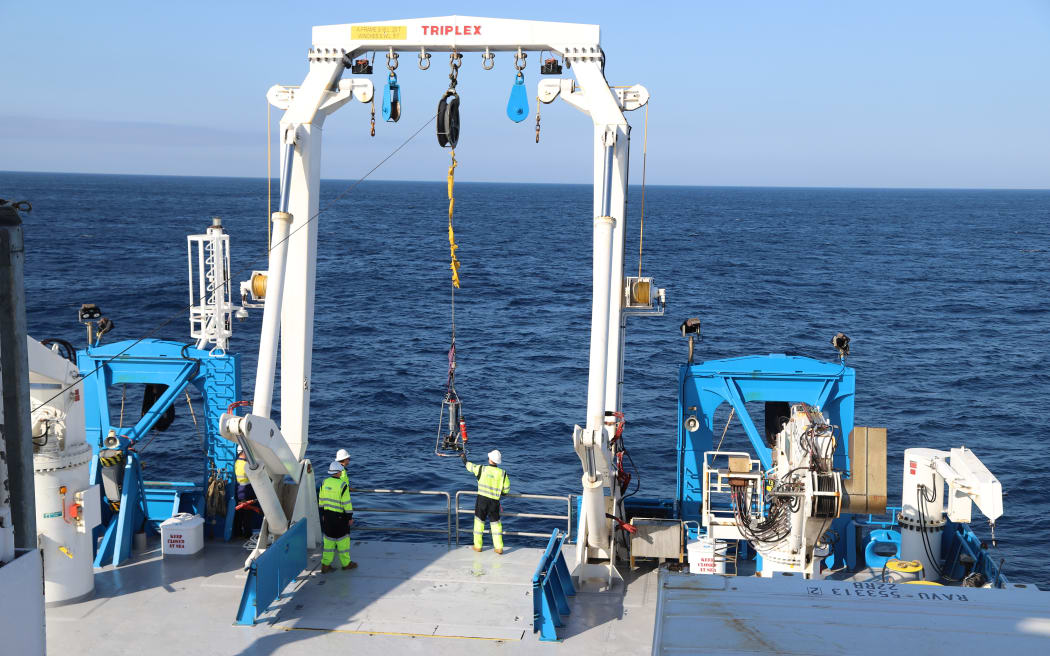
[(457, 33)]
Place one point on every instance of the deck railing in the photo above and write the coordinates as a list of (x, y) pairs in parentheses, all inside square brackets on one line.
[(451, 509), (568, 499), (408, 511)]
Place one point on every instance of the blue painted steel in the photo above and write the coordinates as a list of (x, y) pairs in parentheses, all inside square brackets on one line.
[(704, 387), (177, 366), (551, 588), (882, 537), (518, 103), (120, 527), (271, 573), (391, 95), (959, 540)]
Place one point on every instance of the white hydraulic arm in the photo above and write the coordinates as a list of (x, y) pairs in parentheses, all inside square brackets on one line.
[(969, 481)]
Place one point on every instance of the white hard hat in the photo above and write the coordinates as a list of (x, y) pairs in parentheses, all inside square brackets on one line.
[(342, 454), (335, 467), (495, 456)]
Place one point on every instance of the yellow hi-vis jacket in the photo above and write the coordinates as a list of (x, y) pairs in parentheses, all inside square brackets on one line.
[(335, 496), (493, 482), (240, 470)]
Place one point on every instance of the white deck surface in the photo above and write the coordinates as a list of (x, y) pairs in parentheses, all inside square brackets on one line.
[(790, 615), (403, 598)]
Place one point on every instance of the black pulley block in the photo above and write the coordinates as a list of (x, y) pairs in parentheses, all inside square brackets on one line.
[(448, 120)]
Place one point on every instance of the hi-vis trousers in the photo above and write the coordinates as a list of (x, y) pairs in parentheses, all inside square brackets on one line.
[(342, 546)]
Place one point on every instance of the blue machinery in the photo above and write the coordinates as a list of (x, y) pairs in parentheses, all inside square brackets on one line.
[(142, 505), (760, 378), (778, 380)]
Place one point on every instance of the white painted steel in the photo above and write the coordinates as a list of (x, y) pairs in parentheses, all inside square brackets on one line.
[(792, 615), (67, 507), (22, 606), (322, 92), (271, 325), (211, 305), (306, 119), (921, 532), (969, 481), (459, 33)]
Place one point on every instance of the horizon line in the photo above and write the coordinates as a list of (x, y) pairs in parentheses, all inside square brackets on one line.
[(568, 184)]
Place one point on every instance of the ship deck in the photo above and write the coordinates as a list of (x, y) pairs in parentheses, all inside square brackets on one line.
[(407, 598), (403, 598)]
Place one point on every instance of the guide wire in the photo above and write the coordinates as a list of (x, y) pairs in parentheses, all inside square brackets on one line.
[(645, 152), (243, 270)]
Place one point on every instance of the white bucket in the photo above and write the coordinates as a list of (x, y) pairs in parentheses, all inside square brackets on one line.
[(182, 535), (703, 558)]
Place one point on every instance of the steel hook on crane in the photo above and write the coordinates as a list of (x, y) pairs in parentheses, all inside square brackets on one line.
[(424, 59), (488, 59)]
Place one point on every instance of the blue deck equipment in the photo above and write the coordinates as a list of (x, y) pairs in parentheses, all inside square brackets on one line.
[(703, 387), (551, 588), (144, 504), (271, 572)]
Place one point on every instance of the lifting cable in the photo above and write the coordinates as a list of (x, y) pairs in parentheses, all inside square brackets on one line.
[(452, 429), (182, 312), (269, 184), (645, 152)]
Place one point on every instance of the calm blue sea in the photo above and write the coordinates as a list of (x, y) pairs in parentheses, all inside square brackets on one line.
[(944, 294)]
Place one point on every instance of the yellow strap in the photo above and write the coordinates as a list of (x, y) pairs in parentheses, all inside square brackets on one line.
[(452, 235)]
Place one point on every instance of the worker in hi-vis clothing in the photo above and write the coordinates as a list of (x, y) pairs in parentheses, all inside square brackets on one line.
[(342, 456), (493, 483), (337, 515), (245, 492)]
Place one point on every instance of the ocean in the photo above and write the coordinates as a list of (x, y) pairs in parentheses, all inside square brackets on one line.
[(943, 293)]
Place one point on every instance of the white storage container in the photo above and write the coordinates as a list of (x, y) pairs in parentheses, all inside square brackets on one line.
[(182, 535), (703, 558)]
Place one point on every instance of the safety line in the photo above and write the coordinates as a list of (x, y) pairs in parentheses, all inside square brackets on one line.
[(244, 269)]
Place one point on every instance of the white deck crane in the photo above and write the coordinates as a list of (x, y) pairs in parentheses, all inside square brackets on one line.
[(291, 274)]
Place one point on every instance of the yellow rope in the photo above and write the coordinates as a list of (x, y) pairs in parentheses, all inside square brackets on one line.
[(451, 235)]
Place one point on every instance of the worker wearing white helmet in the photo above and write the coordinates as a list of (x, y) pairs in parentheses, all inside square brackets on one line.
[(342, 456), (493, 483), (337, 515)]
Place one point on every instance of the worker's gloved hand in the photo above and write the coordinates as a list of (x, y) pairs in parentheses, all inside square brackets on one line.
[(350, 523)]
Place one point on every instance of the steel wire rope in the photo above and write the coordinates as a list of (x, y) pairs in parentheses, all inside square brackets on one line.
[(243, 270), (645, 153)]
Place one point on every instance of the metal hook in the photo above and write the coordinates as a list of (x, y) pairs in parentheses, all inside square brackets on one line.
[(488, 60), (391, 56), (424, 56), (520, 56)]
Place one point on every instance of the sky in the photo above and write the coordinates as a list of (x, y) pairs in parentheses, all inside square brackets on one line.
[(764, 93)]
